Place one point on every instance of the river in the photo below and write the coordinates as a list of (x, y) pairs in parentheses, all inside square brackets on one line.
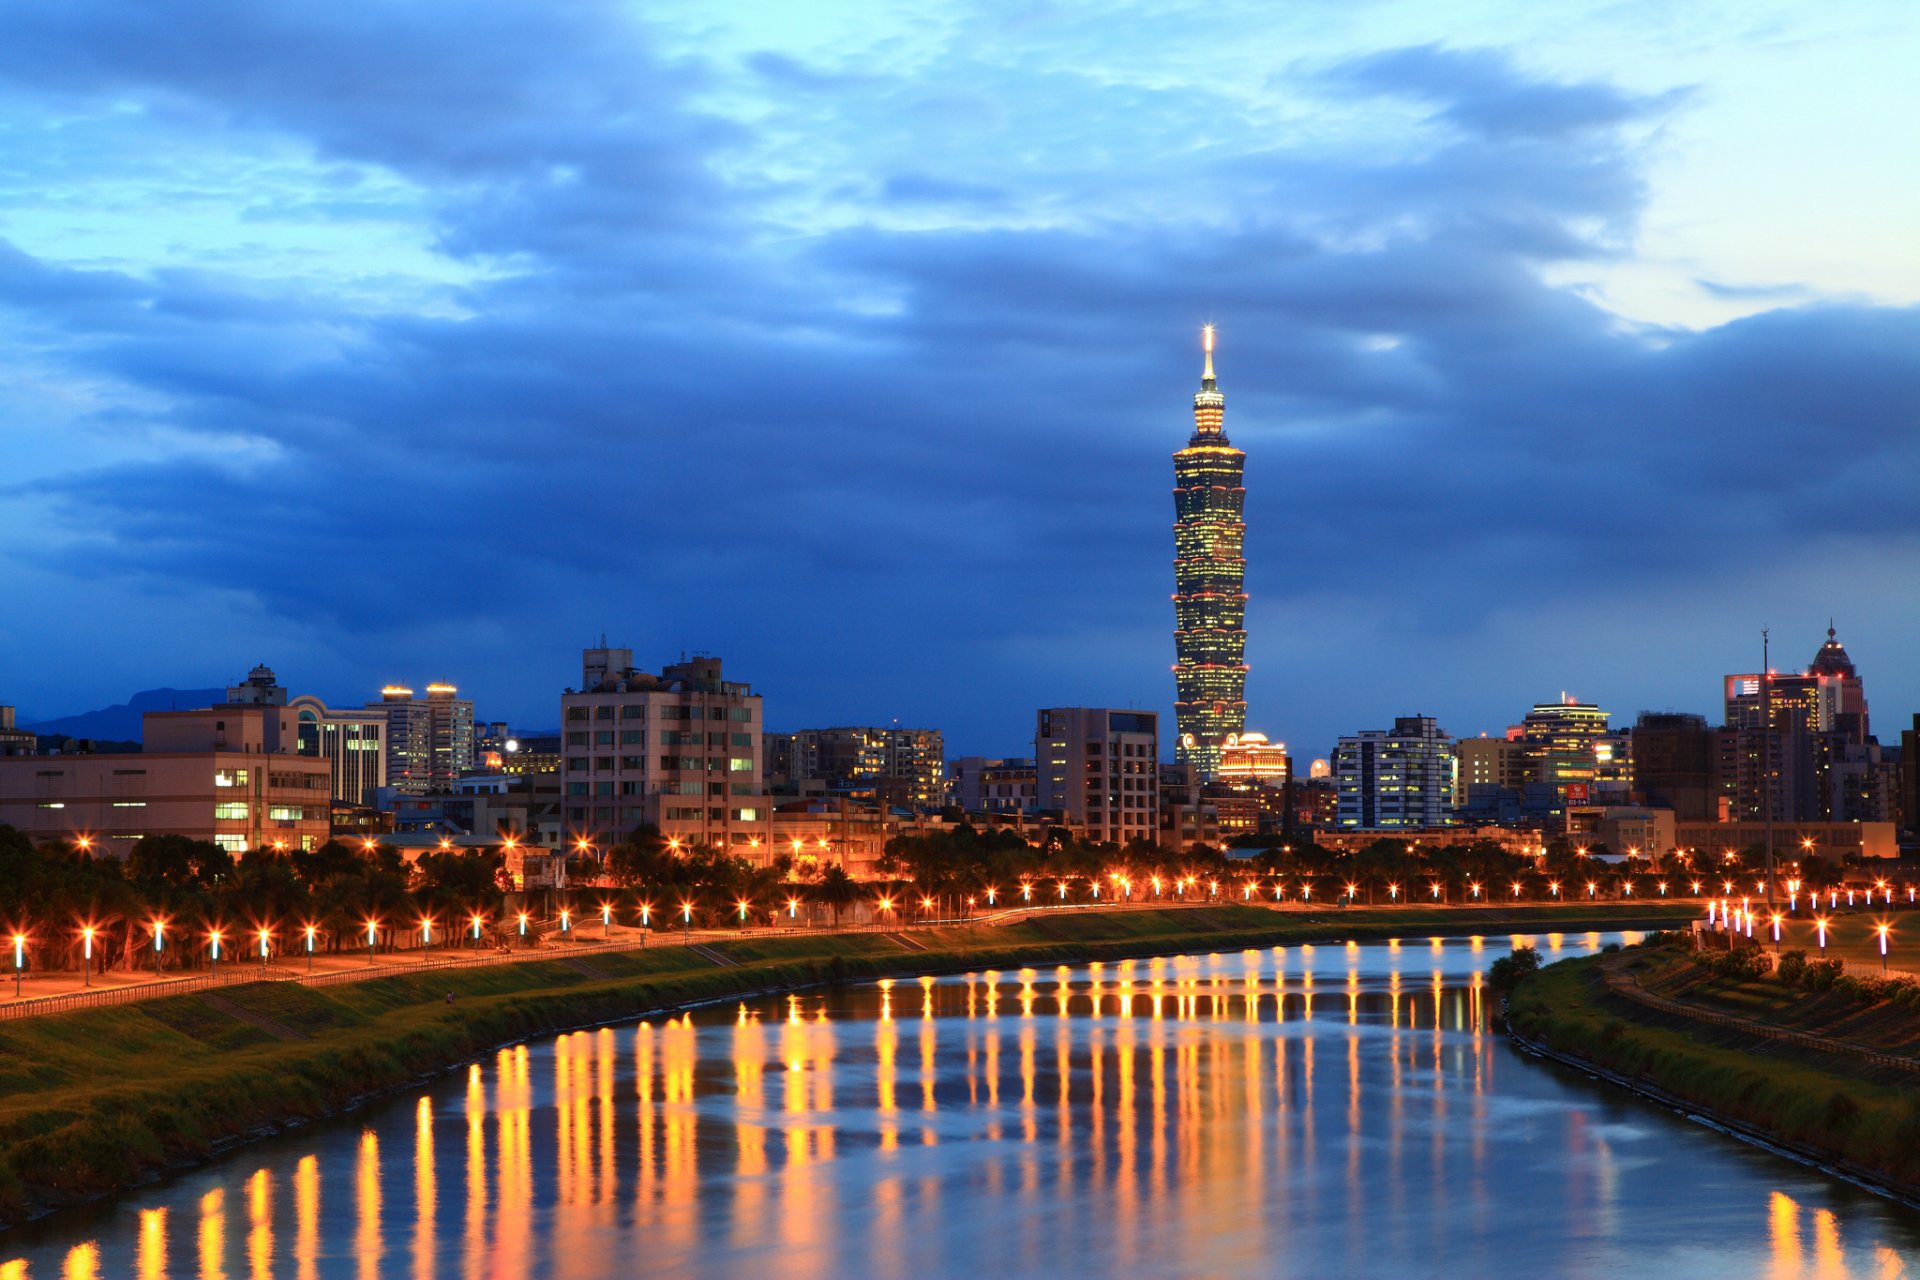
[(1288, 1112)]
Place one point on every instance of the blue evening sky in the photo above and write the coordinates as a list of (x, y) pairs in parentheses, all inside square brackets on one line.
[(1570, 344)]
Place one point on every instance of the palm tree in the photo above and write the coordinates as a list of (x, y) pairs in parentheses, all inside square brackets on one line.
[(836, 889)]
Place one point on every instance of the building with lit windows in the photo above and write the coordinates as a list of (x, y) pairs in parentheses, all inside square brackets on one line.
[(892, 767), (1395, 779), (680, 751), (1209, 573), (977, 784), (353, 743), (429, 741), (1099, 768), (206, 775), (1563, 743), (1800, 746)]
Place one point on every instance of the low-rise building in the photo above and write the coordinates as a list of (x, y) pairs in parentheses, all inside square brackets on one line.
[(206, 775)]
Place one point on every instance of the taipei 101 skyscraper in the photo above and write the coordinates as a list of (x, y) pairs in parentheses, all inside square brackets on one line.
[(1209, 575)]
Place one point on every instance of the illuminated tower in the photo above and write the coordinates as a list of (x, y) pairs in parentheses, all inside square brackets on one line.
[(1209, 572)]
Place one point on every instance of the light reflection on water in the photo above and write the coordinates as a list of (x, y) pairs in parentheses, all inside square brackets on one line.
[(1302, 1111)]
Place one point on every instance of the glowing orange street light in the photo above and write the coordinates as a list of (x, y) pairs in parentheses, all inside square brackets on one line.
[(886, 904), (83, 843), (446, 842), (606, 919), (1516, 888), (1696, 888), (1393, 892), (1821, 923), (475, 920), (1776, 931), (1592, 888), (523, 924), (793, 908), (19, 960), (1883, 929), (310, 930), (159, 942), (1555, 886), (265, 934), (372, 928), (742, 904), (1475, 886), (991, 891), (86, 969), (566, 920), (213, 936)]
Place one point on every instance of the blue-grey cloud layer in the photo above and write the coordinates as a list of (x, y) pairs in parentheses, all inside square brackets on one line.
[(917, 466)]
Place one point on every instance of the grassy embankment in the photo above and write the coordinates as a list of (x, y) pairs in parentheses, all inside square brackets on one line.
[(1863, 1118), (96, 1101)]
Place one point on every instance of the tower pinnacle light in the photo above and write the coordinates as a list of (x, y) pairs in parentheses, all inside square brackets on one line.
[(1209, 573)]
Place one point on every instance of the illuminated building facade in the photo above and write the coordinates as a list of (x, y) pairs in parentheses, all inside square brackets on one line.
[(1209, 571), (1395, 780), (1564, 744)]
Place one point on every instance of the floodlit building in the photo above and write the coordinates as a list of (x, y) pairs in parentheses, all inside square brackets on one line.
[(977, 784), (1209, 573)]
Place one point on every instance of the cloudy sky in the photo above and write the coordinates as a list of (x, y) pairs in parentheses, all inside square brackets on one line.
[(1570, 346)]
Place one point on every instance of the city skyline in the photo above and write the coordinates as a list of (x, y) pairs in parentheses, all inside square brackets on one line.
[(1571, 352)]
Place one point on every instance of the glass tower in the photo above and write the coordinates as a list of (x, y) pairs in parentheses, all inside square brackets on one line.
[(1209, 573)]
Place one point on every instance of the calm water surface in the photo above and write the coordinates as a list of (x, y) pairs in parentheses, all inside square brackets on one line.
[(1298, 1111)]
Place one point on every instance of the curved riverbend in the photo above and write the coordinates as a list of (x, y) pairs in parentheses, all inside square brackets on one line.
[(1290, 1111)]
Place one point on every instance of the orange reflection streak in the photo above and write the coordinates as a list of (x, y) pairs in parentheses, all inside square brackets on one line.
[(368, 1245), (151, 1258), (306, 1217), (513, 1075), (425, 1191), (603, 1109), (213, 1235), (928, 1069), (680, 1173), (1783, 1234), (82, 1263), (260, 1225), (1829, 1259), (750, 1128), (567, 1170), (646, 1118), (476, 1223)]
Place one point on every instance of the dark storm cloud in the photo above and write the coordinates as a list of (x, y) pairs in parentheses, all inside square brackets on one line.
[(882, 451), (1480, 91)]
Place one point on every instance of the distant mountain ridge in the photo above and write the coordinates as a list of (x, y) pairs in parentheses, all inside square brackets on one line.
[(121, 723)]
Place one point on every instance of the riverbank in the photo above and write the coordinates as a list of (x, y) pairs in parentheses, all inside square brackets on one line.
[(1847, 1113), (95, 1102)]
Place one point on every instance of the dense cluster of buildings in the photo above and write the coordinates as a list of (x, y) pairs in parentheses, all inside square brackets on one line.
[(686, 750)]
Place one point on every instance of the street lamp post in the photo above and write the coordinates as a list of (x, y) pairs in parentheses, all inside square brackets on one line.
[(19, 961), (214, 963), (310, 933), (371, 926), (86, 963), (263, 951), (159, 946)]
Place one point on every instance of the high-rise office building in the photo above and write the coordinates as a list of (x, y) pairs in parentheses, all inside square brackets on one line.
[(980, 785), (1100, 768), (429, 741), (1400, 779), (679, 750), (1209, 573), (1811, 755), (1563, 742)]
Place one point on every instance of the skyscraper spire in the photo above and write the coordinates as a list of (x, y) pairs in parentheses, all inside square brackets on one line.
[(1209, 571)]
